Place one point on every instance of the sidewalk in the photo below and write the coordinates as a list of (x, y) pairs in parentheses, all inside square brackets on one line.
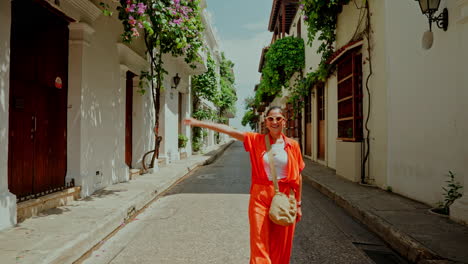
[(406, 225), (64, 234)]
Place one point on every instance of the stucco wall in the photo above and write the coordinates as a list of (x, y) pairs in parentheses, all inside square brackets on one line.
[(427, 91), (347, 26), (96, 119), (7, 200)]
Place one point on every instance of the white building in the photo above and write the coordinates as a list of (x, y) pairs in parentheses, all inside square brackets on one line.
[(417, 121), (69, 106)]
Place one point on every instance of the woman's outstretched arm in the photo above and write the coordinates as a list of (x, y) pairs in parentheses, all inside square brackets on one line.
[(222, 128)]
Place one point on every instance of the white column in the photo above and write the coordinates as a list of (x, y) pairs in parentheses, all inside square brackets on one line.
[(188, 113), (80, 34), (459, 210), (7, 199)]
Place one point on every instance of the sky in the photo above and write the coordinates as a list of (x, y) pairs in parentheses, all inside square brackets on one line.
[(242, 30)]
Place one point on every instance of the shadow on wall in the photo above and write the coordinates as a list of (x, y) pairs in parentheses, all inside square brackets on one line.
[(4, 76), (118, 156), (92, 117), (143, 126), (7, 201)]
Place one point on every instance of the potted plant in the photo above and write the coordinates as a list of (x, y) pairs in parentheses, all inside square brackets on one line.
[(451, 193), (182, 141)]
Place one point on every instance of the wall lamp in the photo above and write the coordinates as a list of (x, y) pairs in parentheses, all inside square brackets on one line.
[(428, 8), (176, 80)]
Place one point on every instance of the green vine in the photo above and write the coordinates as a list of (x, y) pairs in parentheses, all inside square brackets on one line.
[(205, 86), (227, 97), (320, 17), (250, 117), (284, 58)]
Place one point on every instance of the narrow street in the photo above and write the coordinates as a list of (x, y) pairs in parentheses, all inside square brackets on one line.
[(203, 219)]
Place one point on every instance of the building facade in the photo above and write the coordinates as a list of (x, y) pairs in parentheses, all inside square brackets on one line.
[(391, 114), (70, 108)]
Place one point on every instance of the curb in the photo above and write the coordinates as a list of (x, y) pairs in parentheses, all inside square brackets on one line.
[(87, 244), (218, 153), (401, 242)]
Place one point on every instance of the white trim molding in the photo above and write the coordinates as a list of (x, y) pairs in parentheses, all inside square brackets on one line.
[(80, 33), (462, 7), (134, 61), (86, 8)]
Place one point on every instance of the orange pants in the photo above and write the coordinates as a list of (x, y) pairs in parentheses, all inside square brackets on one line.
[(269, 243)]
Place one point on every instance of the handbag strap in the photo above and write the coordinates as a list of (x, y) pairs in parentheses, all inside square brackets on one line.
[(272, 163)]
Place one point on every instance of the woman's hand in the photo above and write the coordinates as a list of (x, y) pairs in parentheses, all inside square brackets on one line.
[(299, 214), (222, 128), (190, 121)]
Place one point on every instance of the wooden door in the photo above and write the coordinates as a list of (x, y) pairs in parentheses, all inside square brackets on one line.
[(180, 113), (129, 118), (321, 122), (38, 99), (308, 125)]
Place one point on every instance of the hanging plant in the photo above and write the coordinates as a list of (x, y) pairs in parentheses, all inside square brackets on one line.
[(284, 58), (320, 17)]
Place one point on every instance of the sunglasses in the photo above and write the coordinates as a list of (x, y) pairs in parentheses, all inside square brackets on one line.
[(272, 118)]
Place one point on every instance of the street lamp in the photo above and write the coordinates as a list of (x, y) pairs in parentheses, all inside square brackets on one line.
[(428, 8), (176, 80)]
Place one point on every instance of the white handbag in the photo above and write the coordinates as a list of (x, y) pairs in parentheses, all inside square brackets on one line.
[(283, 209)]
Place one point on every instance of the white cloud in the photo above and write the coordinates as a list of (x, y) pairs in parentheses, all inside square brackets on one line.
[(245, 53)]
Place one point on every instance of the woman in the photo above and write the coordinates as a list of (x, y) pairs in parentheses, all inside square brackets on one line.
[(269, 243)]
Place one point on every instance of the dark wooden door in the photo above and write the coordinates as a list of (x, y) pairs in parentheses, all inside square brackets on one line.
[(38, 99), (321, 122), (129, 119), (180, 113), (308, 125)]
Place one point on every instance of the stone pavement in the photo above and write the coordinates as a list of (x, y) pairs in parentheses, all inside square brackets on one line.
[(406, 225), (64, 234)]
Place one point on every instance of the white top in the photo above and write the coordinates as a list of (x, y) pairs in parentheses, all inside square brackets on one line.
[(281, 159)]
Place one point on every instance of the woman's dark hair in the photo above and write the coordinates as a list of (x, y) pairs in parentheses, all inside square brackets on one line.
[(273, 108)]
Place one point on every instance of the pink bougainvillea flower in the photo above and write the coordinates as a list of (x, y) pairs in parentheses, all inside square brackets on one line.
[(131, 20), (141, 8), (301, 6), (177, 21), (135, 32)]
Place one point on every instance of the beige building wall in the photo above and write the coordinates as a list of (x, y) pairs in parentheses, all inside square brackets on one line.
[(312, 60), (349, 27), (427, 122), (459, 210)]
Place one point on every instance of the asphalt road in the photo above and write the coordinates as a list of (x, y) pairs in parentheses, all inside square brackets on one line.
[(203, 219)]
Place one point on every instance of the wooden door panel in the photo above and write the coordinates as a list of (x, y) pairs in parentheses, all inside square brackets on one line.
[(39, 53), (321, 122), (308, 139), (52, 108), (321, 150), (22, 101), (129, 119), (21, 139)]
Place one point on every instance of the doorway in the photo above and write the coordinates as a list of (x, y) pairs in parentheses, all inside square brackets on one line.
[(129, 118), (321, 122), (37, 152), (308, 124)]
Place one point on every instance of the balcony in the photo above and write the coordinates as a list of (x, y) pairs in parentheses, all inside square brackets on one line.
[(201, 67)]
